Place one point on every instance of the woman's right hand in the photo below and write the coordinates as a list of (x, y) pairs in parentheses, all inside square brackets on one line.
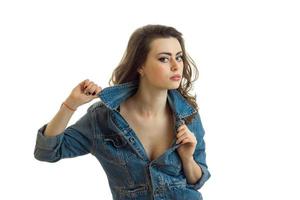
[(83, 93)]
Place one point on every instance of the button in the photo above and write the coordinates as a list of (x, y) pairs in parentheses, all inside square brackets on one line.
[(131, 139), (157, 191)]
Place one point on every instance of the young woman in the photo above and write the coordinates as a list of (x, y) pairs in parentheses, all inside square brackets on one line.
[(146, 131)]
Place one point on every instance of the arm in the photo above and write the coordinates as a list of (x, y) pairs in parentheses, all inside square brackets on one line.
[(192, 170), (75, 140), (59, 122), (196, 169), (54, 141)]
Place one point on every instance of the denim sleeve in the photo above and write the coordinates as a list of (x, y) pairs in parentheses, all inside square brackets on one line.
[(200, 155), (75, 140)]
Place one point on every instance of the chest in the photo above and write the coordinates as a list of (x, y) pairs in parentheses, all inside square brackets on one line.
[(156, 135)]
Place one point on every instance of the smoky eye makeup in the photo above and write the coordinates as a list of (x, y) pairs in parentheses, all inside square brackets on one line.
[(181, 57), (162, 59)]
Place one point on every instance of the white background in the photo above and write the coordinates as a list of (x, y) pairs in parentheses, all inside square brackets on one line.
[(247, 54)]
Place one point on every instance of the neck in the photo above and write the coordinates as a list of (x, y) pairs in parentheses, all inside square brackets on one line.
[(150, 102)]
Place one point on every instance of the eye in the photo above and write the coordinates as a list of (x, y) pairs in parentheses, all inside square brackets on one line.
[(163, 59), (180, 58)]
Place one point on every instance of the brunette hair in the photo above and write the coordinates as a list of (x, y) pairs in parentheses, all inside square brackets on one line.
[(136, 53)]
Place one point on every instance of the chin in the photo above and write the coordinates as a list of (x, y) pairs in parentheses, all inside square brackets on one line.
[(174, 86), (169, 86)]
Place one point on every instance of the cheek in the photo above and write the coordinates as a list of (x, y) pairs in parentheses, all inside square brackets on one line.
[(160, 72)]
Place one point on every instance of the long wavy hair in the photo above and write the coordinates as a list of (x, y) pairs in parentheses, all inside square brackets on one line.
[(136, 53)]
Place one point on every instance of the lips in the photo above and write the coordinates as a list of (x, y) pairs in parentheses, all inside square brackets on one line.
[(177, 76)]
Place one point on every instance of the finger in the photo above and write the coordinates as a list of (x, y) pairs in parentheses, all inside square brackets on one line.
[(82, 84), (186, 140), (88, 89), (90, 84), (182, 127), (182, 131), (179, 134), (98, 90), (88, 93), (87, 83), (93, 89), (181, 139), (183, 136)]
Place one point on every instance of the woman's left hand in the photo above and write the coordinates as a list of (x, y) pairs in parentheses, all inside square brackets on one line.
[(188, 142)]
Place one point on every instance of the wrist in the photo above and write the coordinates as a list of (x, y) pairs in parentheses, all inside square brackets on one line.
[(64, 105), (188, 159), (70, 104)]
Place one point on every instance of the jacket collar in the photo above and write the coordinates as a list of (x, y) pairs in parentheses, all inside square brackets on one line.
[(113, 96)]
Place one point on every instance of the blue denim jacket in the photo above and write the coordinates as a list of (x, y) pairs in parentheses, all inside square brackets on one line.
[(104, 133)]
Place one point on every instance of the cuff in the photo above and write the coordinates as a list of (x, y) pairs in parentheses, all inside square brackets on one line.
[(47, 142), (205, 176)]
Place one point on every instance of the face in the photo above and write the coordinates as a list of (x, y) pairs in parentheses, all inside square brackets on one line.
[(164, 60)]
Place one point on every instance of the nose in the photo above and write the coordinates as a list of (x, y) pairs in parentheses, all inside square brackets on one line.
[(175, 65)]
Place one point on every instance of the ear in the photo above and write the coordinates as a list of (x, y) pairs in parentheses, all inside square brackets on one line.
[(141, 70)]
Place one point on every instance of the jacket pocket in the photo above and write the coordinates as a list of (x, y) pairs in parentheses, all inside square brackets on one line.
[(135, 192), (109, 148), (116, 140)]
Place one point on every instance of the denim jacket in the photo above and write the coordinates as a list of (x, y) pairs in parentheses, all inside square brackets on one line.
[(104, 133)]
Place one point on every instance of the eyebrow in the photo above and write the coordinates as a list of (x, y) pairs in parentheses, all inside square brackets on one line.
[(168, 53)]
